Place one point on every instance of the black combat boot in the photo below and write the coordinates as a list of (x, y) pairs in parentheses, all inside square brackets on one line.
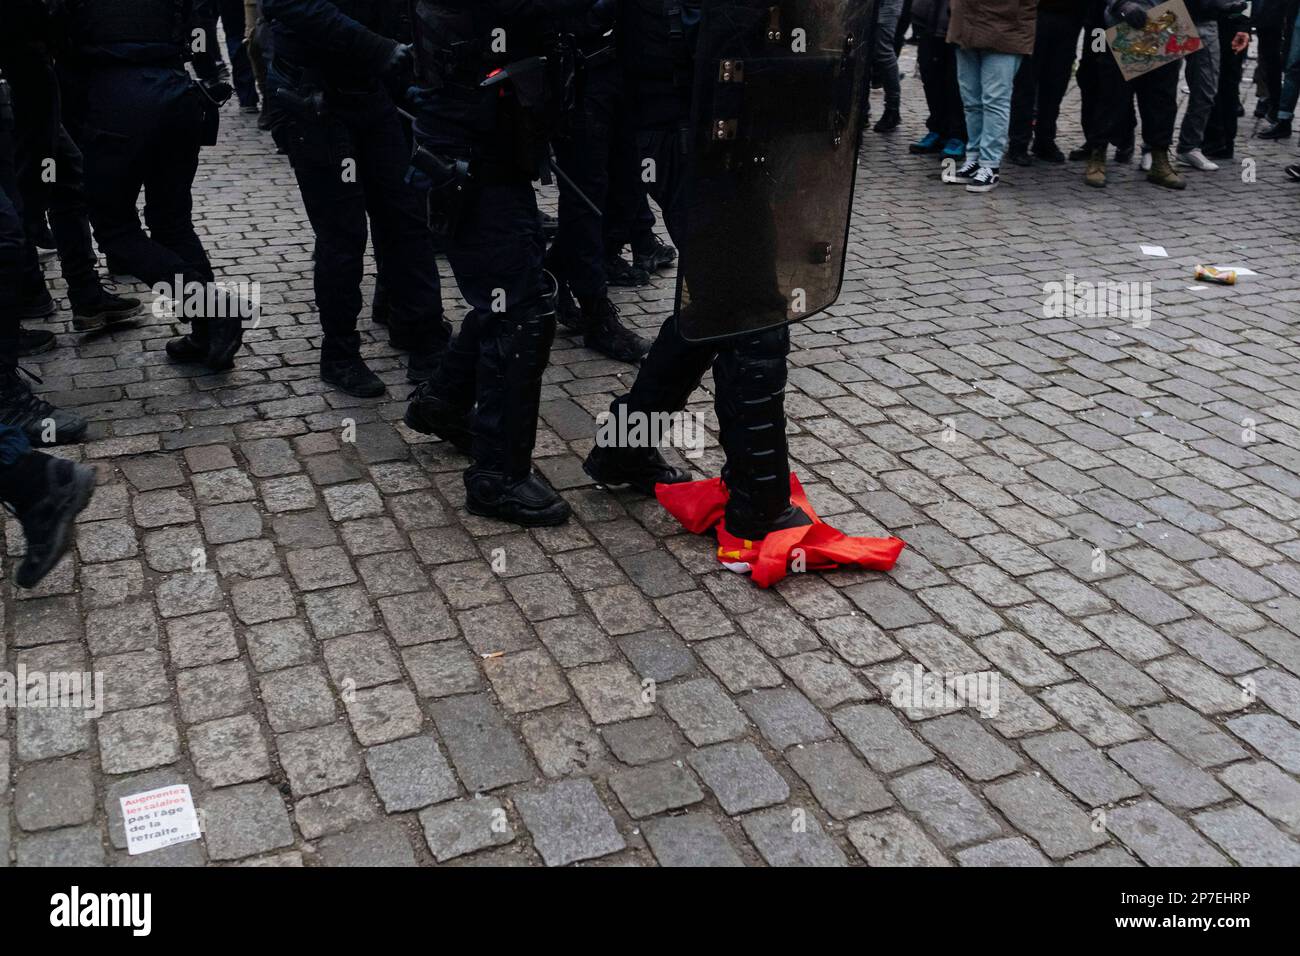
[(603, 331), (529, 502), (502, 482), (652, 254), (623, 274), (39, 305), (34, 342), (46, 495), (226, 333), (341, 365), (101, 309), (41, 422), (431, 414), (191, 348), (638, 468), (888, 122)]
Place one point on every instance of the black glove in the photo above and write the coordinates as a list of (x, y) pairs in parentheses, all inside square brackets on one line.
[(217, 90), (1134, 14), (1226, 8)]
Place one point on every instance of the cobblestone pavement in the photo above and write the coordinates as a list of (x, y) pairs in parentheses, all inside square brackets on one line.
[(347, 668)]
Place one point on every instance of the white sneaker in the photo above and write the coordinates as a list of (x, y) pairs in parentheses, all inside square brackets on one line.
[(1197, 160), (1146, 160)]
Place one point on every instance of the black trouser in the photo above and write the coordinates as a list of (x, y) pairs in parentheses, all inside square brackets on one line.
[(577, 255), (495, 363), (17, 256), (231, 13), (351, 164), (628, 216), (936, 59), (140, 127), (749, 371), (51, 177), (1104, 95), (1270, 20), (1221, 132), (1041, 83)]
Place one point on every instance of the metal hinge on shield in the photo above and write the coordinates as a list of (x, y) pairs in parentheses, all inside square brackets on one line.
[(774, 25), (729, 71)]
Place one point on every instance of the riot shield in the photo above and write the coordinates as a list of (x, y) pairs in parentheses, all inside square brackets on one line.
[(774, 148)]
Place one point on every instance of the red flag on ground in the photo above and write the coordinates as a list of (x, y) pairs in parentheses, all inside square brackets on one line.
[(700, 505)]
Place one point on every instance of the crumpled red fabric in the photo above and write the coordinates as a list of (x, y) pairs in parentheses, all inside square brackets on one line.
[(701, 505)]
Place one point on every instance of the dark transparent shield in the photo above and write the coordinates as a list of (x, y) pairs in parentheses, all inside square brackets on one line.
[(778, 97)]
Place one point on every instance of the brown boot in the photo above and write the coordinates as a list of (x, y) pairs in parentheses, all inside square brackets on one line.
[(1095, 173), (1162, 171)]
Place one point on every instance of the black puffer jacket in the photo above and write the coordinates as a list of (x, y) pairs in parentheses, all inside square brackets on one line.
[(930, 17)]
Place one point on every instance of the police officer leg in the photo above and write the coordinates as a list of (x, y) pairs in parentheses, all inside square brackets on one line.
[(750, 377), (169, 168), (578, 253), (336, 207), (441, 405), (93, 306), (497, 257), (673, 367), (408, 267), (18, 406)]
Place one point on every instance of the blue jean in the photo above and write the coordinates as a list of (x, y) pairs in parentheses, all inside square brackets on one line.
[(13, 444), (1290, 79), (986, 79), (884, 58)]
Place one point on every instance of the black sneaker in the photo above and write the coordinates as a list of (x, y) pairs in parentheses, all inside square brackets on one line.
[(605, 333), (34, 342), (529, 502), (652, 255), (47, 524), (1279, 130), (1048, 152), (623, 274), (1020, 156), (984, 180), (43, 424), (638, 468), (964, 172), (105, 310), (1293, 172), (888, 122), (429, 414), (1124, 154), (353, 376), (1079, 153)]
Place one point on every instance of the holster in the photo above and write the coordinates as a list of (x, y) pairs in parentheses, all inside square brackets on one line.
[(451, 180), (212, 104), (306, 105)]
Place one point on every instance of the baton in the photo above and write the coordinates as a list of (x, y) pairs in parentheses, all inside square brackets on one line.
[(573, 187)]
